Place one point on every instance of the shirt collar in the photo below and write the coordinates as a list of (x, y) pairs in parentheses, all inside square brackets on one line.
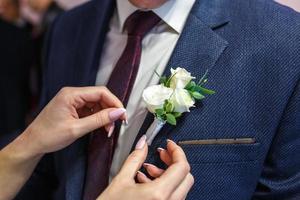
[(173, 12)]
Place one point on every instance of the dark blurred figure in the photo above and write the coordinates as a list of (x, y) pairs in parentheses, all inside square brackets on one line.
[(50, 10), (15, 61), (9, 10)]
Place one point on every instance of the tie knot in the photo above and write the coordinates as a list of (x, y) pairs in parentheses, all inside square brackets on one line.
[(140, 23)]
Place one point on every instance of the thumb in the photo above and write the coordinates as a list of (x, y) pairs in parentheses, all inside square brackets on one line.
[(135, 160), (99, 119)]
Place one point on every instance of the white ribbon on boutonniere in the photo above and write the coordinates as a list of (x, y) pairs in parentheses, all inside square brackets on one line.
[(174, 96)]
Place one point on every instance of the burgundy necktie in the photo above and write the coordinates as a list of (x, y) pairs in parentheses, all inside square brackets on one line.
[(101, 148)]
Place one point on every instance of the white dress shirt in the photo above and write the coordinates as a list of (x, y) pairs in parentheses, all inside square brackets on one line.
[(157, 48)]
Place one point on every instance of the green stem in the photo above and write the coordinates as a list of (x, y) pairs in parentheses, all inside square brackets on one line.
[(203, 78)]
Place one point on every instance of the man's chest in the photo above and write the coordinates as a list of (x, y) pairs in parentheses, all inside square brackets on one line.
[(157, 48)]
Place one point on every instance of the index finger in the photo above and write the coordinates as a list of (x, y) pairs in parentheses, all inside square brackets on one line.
[(97, 94), (135, 160), (177, 171)]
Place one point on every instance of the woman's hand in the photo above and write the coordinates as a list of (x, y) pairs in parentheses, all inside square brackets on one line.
[(71, 114), (171, 184), (155, 172)]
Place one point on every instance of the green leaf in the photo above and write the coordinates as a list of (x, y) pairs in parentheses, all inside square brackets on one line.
[(163, 80), (165, 104), (169, 107), (168, 82), (159, 111), (177, 114), (190, 85), (204, 90), (171, 119), (193, 83), (197, 95)]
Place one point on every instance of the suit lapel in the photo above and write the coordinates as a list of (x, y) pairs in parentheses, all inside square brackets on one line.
[(90, 39), (197, 50)]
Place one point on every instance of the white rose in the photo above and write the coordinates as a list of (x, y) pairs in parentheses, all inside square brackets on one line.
[(180, 78), (155, 96), (182, 100)]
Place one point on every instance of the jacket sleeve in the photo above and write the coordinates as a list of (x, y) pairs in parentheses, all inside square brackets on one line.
[(280, 179)]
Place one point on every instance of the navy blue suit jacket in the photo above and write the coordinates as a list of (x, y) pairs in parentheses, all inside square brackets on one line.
[(252, 51)]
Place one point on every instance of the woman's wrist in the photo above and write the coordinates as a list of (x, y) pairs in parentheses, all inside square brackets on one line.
[(22, 149), (17, 162)]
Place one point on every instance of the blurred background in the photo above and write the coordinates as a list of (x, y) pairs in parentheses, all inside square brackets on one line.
[(23, 26)]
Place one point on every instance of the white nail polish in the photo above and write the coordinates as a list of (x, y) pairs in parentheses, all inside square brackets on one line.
[(111, 130), (125, 122)]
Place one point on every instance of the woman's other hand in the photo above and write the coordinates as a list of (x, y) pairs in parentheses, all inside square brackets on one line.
[(173, 183)]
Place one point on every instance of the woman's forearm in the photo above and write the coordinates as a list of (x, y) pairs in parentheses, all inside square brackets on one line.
[(64, 120), (17, 162)]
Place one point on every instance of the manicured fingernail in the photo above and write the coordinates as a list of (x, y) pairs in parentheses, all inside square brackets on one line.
[(170, 141), (141, 173), (125, 122), (148, 165), (111, 130), (141, 143), (116, 114), (160, 149)]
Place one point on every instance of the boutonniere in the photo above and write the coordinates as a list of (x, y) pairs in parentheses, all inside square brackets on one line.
[(174, 96)]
